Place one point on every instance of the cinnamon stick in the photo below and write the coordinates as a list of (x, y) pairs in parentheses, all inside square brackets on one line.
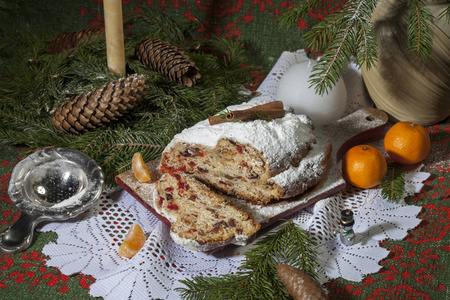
[(267, 111)]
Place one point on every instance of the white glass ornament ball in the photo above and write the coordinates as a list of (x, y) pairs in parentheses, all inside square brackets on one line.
[(295, 91)]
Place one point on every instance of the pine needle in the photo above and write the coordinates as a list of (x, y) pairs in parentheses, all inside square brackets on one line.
[(445, 14), (393, 184), (348, 33), (35, 83), (295, 12), (420, 29), (257, 277)]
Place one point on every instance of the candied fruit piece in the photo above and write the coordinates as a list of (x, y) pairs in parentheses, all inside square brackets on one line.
[(173, 207), (133, 242), (139, 167)]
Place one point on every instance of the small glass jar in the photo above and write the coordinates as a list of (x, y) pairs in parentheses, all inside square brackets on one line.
[(347, 234)]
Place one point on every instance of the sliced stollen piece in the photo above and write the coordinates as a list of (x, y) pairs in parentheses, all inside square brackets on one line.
[(200, 218), (254, 160)]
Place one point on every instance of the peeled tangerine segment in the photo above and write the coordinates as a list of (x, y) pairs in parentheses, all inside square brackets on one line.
[(140, 168), (133, 242)]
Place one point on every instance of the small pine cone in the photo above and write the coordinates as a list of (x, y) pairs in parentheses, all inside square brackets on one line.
[(68, 40), (300, 285), (168, 60), (101, 106)]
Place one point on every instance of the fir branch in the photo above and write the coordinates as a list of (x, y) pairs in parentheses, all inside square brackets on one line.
[(420, 29), (393, 184), (349, 32), (27, 127), (14, 44), (153, 24), (114, 146), (36, 83), (295, 12), (445, 14), (257, 277), (229, 286), (344, 34), (232, 50)]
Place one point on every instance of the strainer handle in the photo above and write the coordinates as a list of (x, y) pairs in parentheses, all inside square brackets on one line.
[(19, 236)]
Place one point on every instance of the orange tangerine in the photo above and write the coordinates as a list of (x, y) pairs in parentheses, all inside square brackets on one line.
[(407, 143), (139, 167), (364, 166), (133, 242)]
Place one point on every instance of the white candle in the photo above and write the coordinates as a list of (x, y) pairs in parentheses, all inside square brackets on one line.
[(115, 51)]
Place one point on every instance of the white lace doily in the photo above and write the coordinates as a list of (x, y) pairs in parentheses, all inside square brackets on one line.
[(90, 243)]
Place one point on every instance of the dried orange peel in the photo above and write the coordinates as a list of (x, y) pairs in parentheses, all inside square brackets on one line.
[(133, 242), (139, 167)]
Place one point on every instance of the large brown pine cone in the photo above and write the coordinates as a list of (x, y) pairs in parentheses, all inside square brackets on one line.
[(99, 107), (168, 60), (299, 284), (68, 40)]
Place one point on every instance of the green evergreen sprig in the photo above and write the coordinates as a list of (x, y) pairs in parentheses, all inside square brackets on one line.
[(35, 83), (257, 277), (420, 29), (393, 184), (347, 34), (343, 34), (445, 14), (295, 12)]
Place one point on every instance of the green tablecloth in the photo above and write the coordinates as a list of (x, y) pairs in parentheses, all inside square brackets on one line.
[(416, 268)]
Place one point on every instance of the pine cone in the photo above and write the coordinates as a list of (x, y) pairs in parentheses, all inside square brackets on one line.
[(300, 285), (168, 60), (68, 40), (101, 106)]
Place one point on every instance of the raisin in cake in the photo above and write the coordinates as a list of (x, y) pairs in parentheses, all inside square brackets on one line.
[(259, 160), (200, 218)]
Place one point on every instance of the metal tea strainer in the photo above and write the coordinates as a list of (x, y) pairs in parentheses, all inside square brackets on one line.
[(50, 185)]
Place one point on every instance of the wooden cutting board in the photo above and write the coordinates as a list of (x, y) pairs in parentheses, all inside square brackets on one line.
[(359, 127)]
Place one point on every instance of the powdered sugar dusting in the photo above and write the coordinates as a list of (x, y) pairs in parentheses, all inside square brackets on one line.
[(143, 190), (74, 200), (310, 168), (360, 121), (277, 139)]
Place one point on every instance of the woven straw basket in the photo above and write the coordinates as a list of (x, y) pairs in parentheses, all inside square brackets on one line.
[(405, 87)]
